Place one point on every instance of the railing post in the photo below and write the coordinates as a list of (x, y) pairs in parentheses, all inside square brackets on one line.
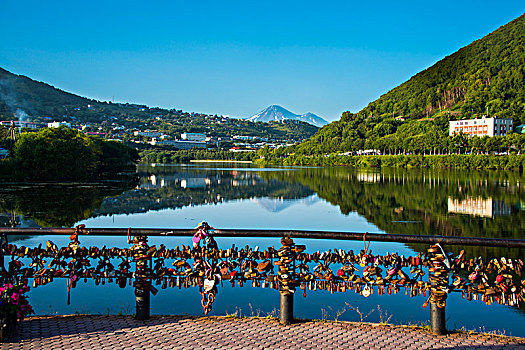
[(142, 282), (142, 303), (287, 282), (439, 272), (437, 319), (286, 313)]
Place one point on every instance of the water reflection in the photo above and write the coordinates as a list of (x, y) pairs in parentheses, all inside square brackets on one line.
[(178, 187), (467, 203), (478, 206)]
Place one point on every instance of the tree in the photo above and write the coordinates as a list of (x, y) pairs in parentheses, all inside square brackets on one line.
[(66, 154)]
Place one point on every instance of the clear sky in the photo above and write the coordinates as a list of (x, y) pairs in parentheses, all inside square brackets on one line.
[(237, 57)]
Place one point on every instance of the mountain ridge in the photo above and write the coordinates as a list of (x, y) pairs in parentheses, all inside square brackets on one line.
[(26, 99), (460, 81), (279, 114)]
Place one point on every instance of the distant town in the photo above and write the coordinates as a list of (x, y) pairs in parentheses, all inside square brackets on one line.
[(152, 138)]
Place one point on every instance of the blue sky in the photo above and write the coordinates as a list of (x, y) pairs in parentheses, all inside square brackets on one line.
[(237, 57)]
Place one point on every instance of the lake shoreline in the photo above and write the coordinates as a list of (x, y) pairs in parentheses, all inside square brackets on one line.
[(449, 161), (220, 161)]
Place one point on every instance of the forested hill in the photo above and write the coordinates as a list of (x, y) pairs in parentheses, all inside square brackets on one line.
[(489, 73), (23, 97)]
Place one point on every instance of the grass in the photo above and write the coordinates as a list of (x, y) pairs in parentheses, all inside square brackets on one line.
[(482, 330), (362, 316), (384, 319), (258, 313), (124, 310)]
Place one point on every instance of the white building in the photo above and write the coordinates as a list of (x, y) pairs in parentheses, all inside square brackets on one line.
[(19, 124), (178, 144), (147, 133), (193, 136), (481, 127), (58, 124)]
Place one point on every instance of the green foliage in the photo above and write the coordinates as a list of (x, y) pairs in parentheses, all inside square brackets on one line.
[(57, 154), (66, 154), (115, 156)]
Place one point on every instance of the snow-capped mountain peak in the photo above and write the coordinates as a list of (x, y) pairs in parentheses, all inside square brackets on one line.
[(278, 113)]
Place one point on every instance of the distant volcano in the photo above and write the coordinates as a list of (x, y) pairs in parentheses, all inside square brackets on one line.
[(278, 113)]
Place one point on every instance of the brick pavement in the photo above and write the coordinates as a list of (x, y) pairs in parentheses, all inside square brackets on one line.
[(186, 332)]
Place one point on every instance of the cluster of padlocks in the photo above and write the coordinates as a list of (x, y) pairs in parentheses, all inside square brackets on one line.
[(207, 267)]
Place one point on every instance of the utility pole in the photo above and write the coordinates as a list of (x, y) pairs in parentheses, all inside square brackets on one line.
[(12, 136)]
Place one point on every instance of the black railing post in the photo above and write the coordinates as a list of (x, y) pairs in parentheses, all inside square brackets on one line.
[(142, 303), (439, 272), (142, 282), (437, 319), (286, 309), (287, 278)]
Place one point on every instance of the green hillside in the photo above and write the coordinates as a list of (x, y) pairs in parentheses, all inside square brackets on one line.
[(488, 74)]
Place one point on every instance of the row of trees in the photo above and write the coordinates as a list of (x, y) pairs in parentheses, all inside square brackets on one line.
[(453, 161), (432, 144)]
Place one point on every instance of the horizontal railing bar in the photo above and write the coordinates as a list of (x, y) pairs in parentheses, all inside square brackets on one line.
[(355, 236)]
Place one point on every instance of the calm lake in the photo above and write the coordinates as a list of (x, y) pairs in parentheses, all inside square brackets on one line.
[(459, 203)]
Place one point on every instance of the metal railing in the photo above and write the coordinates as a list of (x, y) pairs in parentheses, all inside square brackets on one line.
[(351, 236), (492, 280)]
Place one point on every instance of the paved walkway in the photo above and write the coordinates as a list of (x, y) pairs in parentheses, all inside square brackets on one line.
[(185, 332)]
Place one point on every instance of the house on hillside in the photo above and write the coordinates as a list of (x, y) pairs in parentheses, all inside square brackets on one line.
[(147, 133)]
